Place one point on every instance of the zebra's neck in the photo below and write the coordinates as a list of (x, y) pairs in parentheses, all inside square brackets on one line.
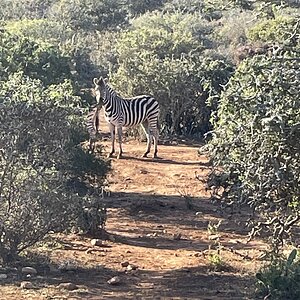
[(111, 102), (110, 97)]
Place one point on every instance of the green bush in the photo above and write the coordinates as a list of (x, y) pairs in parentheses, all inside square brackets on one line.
[(47, 179), (280, 279), (36, 60), (255, 142), (40, 30), (277, 30), (12, 9), (163, 55), (89, 15)]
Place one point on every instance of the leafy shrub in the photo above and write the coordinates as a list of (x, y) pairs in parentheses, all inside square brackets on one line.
[(280, 279), (40, 30), (163, 55), (136, 7), (277, 30), (39, 61), (256, 142), (46, 177), (73, 50), (186, 6), (232, 29), (89, 15), (11, 9)]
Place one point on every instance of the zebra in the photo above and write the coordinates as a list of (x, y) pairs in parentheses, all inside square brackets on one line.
[(118, 112), (93, 126)]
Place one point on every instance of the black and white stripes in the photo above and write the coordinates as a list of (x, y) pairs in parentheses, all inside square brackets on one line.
[(119, 112), (93, 126)]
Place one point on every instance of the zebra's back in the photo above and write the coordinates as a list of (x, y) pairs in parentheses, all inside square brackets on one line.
[(139, 109)]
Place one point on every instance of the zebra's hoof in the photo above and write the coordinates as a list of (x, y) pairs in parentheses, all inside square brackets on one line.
[(145, 155), (119, 156)]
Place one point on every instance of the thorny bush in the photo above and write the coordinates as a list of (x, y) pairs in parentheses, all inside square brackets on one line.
[(46, 177), (255, 145)]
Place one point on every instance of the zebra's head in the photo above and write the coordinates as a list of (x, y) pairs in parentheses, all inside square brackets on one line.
[(100, 89)]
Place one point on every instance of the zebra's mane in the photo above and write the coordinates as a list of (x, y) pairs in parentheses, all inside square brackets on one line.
[(112, 92)]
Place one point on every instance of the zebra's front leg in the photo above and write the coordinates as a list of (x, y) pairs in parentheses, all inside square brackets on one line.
[(120, 134), (112, 136)]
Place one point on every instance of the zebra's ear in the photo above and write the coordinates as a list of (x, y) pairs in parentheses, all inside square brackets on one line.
[(96, 81)]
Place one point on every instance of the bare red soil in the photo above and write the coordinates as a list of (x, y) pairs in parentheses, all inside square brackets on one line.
[(159, 215)]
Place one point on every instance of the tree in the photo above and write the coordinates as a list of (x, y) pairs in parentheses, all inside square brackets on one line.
[(163, 54)]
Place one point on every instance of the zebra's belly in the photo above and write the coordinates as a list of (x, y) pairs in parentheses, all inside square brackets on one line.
[(125, 120), (114, 121), (110, 119)]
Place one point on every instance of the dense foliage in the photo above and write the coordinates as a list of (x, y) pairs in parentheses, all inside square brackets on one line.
[(256, 139), (164, 55), (37, 60), (280, 278), (44, 170)]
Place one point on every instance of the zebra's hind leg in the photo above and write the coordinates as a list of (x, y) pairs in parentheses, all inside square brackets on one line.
[(120, 133), (155, 137), (149, 138)]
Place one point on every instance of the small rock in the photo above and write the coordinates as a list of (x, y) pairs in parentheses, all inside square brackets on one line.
[(213, 237), (114, 281), (128, 251), (96, 242), (131, 267), (3, 276), (234, 242), (29, 271), (68, 286), (198, 254), (26, 285), (125, 264), (143, 171)]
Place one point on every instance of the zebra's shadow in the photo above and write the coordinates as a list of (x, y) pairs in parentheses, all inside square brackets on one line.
[(161, 160)]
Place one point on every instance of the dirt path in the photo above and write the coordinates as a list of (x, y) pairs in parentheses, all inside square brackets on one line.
[(158, 218)]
